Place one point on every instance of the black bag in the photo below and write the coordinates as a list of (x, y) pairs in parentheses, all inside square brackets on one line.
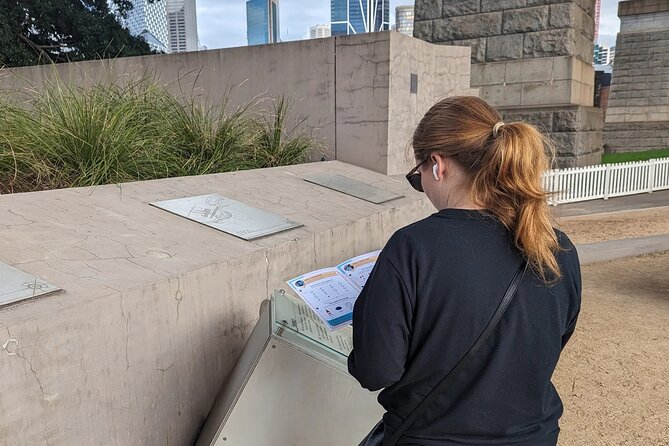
[(376, 436)]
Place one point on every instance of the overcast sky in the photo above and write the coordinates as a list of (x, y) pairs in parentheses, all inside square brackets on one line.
[(222, 23)]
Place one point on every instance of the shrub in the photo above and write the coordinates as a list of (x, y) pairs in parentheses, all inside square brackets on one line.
[(68, 137)]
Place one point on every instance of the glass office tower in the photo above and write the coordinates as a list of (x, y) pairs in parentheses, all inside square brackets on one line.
[(359, 16), (262, 21)]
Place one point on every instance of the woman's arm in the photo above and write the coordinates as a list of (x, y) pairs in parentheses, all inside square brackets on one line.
[(381, 326)]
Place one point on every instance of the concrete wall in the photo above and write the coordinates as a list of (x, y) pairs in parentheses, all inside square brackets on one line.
[(638, 111), (155, 308), (353, 90), (302, 70), (376, 120)]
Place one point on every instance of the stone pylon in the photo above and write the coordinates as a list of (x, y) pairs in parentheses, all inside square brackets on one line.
[(532, 59), (638, 113)]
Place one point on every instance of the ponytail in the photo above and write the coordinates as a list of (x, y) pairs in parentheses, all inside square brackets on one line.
[(509, 185), (505, 163)]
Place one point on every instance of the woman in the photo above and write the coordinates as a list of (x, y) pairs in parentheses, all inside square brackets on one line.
[(438, 282)]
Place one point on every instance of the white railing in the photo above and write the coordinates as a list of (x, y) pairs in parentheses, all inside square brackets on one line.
[(606, 180)]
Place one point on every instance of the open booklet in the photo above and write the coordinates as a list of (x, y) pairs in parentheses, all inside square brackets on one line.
[(331, 292)]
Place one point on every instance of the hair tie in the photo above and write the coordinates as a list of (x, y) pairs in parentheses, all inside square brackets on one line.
[(495, 129)]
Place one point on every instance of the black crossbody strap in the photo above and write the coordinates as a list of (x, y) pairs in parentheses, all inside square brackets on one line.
[(447, 380)]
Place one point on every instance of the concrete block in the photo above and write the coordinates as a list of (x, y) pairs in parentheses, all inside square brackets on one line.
[(478, 47), (428, 9), (455, 8), (563, 67), (467, 27), (584, 48), (423, 30), (543, 120), (570, 119), (151, 322), (488, 74), (499, 48), (530, 70), (583, 94), (525, 20), (586, 5), (502, 95), (577, 143), (546, 93), (586, 74), (501, 5), (570, 15), (558, 42), (549, 43)]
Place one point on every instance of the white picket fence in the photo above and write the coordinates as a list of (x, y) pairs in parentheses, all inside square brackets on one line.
[(606, 180)]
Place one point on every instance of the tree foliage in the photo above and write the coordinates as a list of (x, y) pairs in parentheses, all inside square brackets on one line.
[(40, 31)]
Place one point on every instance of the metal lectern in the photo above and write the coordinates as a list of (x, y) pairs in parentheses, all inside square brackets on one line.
[(290, 386)]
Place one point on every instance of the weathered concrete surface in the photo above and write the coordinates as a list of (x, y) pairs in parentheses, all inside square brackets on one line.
[(156, 308), (376, 111), (353, 91), (637, 117), (617, 249)]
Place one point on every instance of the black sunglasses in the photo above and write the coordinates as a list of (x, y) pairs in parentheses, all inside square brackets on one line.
[(413, 177)]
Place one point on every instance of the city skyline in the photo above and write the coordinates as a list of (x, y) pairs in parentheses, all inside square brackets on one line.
[(262, 22), (359, 16), (222, 23)]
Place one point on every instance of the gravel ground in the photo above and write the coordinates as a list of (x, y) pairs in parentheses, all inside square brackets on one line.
[(614, 374), (615, 226)]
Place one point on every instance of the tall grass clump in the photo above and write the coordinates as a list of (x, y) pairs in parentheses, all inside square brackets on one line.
[(278, 144), (67, 137), (200, 139)]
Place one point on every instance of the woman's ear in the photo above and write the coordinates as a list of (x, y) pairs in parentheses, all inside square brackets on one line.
[(439, 166)]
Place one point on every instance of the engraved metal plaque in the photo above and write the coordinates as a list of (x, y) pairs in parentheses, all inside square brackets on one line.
[(354, 188), (16, 285), (228, 215)]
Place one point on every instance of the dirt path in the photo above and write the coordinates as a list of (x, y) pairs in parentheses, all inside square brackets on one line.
[(615, 226), (614, 374)]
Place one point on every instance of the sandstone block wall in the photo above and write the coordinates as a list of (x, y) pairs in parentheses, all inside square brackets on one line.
[(500, 30), (638, 114), (532, 59)]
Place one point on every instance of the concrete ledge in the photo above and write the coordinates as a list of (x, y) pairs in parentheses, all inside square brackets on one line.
[(617, 249), (634, 7), (155, 308)]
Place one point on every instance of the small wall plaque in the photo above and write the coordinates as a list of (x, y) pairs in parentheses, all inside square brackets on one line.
[(228, 215), (354, 188)]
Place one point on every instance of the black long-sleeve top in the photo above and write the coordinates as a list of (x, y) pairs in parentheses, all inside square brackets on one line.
[(433, 289)]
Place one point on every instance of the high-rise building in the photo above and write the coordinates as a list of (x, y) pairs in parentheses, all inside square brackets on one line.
[(262, 21), (359, 16), (598, 11), (404, 20), (319, 31), (148, 21), (182, 25), (604, 55)]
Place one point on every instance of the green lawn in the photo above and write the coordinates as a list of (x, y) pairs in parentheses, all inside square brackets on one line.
[(608, 158)]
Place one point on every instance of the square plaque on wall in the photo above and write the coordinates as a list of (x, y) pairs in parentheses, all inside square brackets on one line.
[(352, 187), (228, 215)]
